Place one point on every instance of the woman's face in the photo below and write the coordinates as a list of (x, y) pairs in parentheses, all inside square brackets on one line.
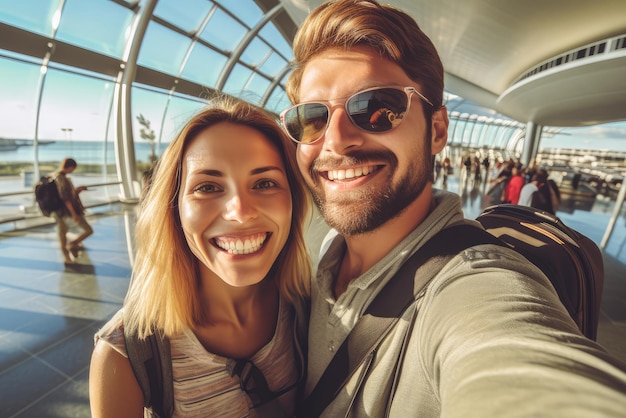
[(235, 202)]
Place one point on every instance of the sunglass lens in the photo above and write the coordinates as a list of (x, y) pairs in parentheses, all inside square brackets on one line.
[(306, 122), (378, 110)]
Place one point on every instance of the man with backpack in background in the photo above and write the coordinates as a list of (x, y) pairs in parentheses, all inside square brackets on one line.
[(487, 336), (71, 208)]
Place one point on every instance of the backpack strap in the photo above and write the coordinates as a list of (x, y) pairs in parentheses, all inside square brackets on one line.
[(151, 361), (381, 315)]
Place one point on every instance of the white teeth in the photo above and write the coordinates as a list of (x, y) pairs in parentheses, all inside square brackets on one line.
[(350, 173), (246, 245)]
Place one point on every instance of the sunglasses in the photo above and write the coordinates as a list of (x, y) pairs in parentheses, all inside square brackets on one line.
[(379, 109), (253, 383)]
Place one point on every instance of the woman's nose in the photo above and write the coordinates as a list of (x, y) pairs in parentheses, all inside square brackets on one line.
[(239, 209)]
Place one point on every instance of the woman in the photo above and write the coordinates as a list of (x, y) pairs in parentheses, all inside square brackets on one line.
[(221, 263)]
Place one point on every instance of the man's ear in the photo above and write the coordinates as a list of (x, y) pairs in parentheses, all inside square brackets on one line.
[(439, 130)]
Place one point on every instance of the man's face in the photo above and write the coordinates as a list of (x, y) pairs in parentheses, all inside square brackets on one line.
[(360, 179)]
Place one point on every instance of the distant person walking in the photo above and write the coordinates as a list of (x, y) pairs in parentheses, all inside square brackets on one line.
[(514, 186), (541, 193), (73, 208)]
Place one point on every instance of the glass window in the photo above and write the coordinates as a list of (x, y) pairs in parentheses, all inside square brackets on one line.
[(256, 52), (96, 25), (204, 65), (166, 115), (277, 101), (74, 107), (246, 10), (151, 106), (256, 88), (490, 133), (273, 37), (274, 65), (185, 14), (179, 111), (163, 49), (237, 80), (75, 113), (223, 31), (18, 84), (457, 133), (33, 15)]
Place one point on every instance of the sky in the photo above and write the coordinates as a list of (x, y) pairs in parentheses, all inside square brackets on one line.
[(609, 137)]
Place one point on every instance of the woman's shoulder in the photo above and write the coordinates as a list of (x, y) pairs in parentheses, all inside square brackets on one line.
[(112, 333)]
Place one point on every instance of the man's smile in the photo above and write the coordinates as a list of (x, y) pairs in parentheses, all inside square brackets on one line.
[(350, 173)]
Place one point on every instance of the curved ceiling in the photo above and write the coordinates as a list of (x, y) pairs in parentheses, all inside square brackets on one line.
[(486, 45)]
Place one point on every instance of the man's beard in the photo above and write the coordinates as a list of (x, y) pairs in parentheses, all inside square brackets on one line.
[(362, 211)]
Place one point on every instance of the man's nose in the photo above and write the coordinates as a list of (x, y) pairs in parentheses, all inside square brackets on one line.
[(341, 134)]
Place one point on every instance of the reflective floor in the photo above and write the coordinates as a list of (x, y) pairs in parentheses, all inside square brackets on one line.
[(49, 313)]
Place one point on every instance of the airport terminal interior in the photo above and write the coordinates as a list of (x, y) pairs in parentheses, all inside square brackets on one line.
[(110, 82)]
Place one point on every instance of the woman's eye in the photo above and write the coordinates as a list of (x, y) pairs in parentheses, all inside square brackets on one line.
[(266, 184), (207, 188)]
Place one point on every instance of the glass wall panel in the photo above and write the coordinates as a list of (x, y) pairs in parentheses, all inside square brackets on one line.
[(277, 101), (179, 111), (246, 10), (237, 80), (273, 65), (204, 65), (459, 130), (150, 105), (256, 52), (166, 115), (97, 25), (468, 134), (502, 136), (273, 37), (185, 14), (33, 15), (256, 88), (18, 84), (163, 49), (453, 118), (223, 31), (489, 134), (74, 116)]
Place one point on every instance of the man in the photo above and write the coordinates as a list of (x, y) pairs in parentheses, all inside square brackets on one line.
[(72, 208), (490, 337)]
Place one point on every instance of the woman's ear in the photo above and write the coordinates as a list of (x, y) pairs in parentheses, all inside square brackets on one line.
[(439, 130)]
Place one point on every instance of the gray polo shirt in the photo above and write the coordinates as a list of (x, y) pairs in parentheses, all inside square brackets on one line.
[(489, 339)]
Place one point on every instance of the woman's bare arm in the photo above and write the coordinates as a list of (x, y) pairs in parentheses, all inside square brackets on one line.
[(113, 388)]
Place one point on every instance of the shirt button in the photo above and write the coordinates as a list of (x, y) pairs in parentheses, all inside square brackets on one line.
[(331, 346)]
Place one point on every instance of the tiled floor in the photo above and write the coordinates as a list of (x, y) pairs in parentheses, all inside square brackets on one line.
[(48, 313)]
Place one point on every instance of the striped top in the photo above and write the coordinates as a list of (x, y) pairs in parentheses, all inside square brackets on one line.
[(203, 386)]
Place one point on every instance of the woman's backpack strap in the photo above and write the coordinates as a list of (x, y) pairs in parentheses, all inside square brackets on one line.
[(151, 361)]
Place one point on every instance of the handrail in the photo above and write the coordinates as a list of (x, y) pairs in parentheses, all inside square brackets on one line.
[(38, 214), (33, 191)]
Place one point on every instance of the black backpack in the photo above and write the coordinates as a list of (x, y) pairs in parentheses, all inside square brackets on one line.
[(571, 261), (47, 195)]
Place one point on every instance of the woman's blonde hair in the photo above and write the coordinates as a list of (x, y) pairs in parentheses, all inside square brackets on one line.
[(386, 29), (163, 293)]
